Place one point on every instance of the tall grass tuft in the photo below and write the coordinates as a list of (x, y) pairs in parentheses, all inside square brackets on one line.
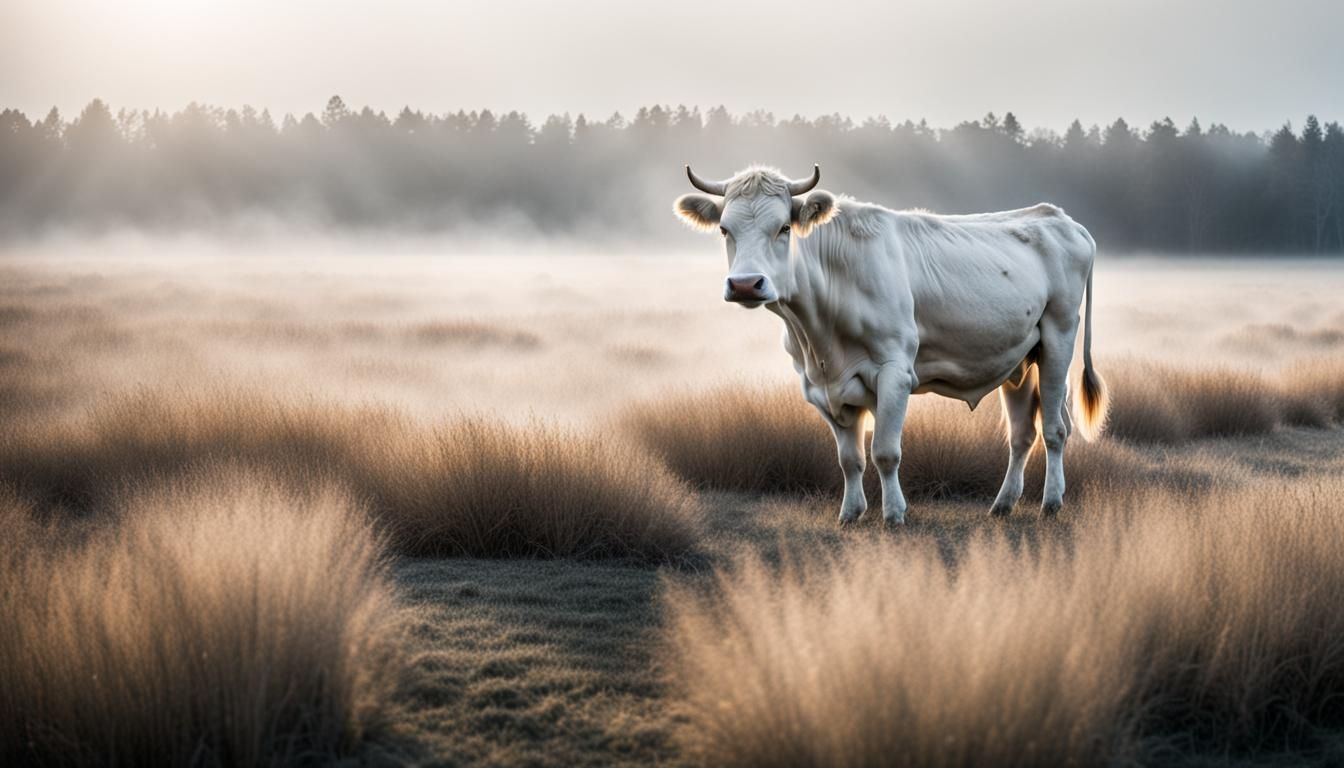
[(1320, 380), (768, 439), (1222, 402), (1165, 404), (484, 488), (759, 439), (469, 486), (744, 437), (223, 619), (1145, 409), (1210, 621)]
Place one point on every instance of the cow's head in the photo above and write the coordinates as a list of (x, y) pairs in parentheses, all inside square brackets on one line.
[(759, 212)]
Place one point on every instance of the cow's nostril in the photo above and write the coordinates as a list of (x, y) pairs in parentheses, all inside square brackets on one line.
[(760, 284)]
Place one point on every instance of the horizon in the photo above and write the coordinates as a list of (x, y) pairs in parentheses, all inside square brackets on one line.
[(1030, 129)]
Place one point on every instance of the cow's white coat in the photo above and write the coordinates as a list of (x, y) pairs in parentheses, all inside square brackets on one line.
[(880, 304)]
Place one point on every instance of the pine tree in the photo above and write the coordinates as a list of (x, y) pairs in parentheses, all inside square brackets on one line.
[(555, 131), (335, 112), (1316, 181), (95, 130), (1074, 138), (1333, 161), (52, 127), (1285, 184)]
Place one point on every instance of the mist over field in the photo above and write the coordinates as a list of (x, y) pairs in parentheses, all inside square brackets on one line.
[(589, 180), (423, 432)]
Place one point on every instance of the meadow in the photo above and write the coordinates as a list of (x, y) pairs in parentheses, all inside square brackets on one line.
[(277, 503)]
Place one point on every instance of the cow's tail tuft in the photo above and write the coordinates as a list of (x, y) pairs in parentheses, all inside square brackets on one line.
[(1093, 400)]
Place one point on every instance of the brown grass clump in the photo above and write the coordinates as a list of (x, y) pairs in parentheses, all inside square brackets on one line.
[(225, 620), (768, 439), (1144, 408), (1164, 404), (1214, 618), (758, 439), (472, 486), (1222, 402), (484, 488), (1320, 381), (743, 437), (1304, 408)]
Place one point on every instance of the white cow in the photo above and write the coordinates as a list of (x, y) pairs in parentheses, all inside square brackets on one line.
[(880, 304)]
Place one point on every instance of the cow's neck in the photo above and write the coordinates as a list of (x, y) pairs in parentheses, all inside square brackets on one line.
[(809, 308)]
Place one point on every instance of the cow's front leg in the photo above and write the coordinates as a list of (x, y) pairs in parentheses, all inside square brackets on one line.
[(893, 395), (849, 447)]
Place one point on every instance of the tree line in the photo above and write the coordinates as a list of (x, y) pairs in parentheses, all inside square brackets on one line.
[(1162, 188)]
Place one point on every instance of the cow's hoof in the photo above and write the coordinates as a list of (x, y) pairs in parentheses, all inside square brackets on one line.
[(1051, 508), (893, 521), (1000, 510), (850, 517)]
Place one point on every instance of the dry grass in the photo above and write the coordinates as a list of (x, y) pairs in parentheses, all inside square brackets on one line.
[(1222, 402), (471, 333), (225, 620), (483, 488), (470, 486), (768, 439), (1322, 382), (744, 437), (759, 439), (1166, 405), (1098, 637), (1163, 404), (1212, 618)]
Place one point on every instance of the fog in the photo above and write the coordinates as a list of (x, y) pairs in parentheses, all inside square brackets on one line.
[(571, 179), (436, 331)]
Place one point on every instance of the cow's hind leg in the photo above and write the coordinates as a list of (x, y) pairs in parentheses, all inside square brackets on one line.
[(1021, 403), (1057, 336)]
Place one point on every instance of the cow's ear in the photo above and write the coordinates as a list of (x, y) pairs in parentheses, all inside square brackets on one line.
[(698, 211), (813, 212)]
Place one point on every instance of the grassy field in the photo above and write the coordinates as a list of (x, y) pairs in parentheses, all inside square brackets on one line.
[(273, 505)]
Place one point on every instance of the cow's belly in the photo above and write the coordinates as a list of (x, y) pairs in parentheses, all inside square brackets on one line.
[(971, 378), (971, 342)]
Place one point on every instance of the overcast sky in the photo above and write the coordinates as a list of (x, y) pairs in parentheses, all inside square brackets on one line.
[(1250, 64)]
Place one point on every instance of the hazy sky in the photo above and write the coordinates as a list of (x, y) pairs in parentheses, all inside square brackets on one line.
[(1251, 64)]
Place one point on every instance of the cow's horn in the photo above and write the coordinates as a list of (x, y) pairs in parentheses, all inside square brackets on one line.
[(712, 187), (805, 185)]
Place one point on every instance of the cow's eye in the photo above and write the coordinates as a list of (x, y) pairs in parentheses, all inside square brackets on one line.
[(723, 231), (784, 230)]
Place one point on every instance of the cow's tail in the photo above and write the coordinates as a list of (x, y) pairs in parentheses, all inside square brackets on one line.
[(1093, 401)]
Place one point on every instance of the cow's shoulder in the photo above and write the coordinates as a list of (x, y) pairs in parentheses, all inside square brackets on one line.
[(862, 221), (1044, 211)]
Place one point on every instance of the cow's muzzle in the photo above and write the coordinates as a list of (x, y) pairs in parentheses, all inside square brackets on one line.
[(751, 290)]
